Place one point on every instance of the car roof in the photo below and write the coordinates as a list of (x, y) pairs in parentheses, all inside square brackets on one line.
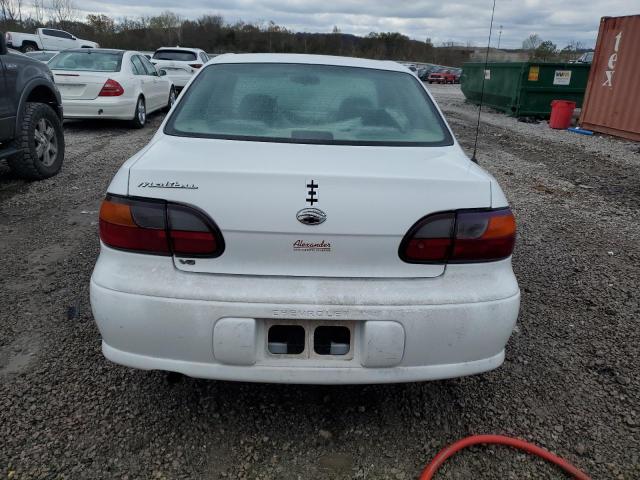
[(89, 50), (186, 49), (310, 60)]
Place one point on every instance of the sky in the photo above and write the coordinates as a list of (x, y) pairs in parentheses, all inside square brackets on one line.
[(461, 21)]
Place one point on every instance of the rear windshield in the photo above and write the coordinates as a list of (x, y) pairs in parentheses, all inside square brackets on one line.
[(89, 61), (180, 55), (44, 56), (299, 103)]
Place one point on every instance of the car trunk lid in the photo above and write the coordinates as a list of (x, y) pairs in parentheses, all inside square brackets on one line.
[(75, 85), (309, 210)]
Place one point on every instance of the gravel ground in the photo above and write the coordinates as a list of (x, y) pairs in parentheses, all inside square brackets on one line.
[(569, 382)]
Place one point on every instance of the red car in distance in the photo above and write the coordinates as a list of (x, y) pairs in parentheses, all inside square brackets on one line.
[(442, 75)]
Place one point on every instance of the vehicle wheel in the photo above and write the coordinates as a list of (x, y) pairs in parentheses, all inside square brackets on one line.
[(41, 141), (140, 117), (172, 99), (27, 47)]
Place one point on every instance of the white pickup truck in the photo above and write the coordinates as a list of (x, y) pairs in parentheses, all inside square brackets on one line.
[(46, 39)]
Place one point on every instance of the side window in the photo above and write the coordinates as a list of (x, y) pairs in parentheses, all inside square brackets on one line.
[(58, 33), (204, 57), (138, 68), (148, 66)]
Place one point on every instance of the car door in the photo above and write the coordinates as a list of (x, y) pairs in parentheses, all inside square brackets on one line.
[(146, 81), (159, 85), (66, 40), (50, 39)]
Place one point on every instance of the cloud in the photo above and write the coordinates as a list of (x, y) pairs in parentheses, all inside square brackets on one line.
[(463, 21)]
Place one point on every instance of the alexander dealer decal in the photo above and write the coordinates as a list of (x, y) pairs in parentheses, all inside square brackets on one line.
[(306, 246)]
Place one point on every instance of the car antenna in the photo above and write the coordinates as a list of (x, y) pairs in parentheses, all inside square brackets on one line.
[(484, 73)]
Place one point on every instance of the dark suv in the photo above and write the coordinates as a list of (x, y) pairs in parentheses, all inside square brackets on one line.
[(31, 135)]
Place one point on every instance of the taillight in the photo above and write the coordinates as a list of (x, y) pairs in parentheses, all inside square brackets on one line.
[(432, 239), (195, 65), (158, 227), (191, 233), (111, 88), (465, 236), (484, 236)]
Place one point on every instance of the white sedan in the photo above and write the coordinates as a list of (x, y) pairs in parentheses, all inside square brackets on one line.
[(113, 84), (42, 55), (305, 219)]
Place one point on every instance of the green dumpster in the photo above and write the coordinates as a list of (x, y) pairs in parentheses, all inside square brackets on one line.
[(524, 89)]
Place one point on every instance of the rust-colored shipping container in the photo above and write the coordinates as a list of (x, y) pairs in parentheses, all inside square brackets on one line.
[(612, 100)]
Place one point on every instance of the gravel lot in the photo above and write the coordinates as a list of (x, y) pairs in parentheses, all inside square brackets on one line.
[(570, 382)]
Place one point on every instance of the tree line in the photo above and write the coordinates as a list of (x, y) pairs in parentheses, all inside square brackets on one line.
[(547, 51), (214, 35)]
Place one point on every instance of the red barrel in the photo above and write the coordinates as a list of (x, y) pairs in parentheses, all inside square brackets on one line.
[(561, 113)]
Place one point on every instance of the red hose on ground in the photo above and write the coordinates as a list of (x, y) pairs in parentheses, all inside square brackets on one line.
[(436, 463)]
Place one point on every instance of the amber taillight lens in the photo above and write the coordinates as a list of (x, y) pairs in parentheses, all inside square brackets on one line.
[(464, 236), (484, 236), (158, 227)]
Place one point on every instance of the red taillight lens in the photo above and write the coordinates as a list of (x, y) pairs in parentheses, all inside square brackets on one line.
[(465, 236), (190, 233), (111, 88), (195, 65), (432, 240), (158, 227)]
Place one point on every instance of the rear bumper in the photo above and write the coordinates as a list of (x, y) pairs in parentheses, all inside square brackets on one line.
[(304, 375), (102, 107), (152, 316)]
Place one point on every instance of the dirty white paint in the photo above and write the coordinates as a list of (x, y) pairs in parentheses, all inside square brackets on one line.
[(208, 317), (455, 324)]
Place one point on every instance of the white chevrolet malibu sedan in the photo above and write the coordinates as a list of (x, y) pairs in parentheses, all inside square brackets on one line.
[(305, 219), (114, 84)]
